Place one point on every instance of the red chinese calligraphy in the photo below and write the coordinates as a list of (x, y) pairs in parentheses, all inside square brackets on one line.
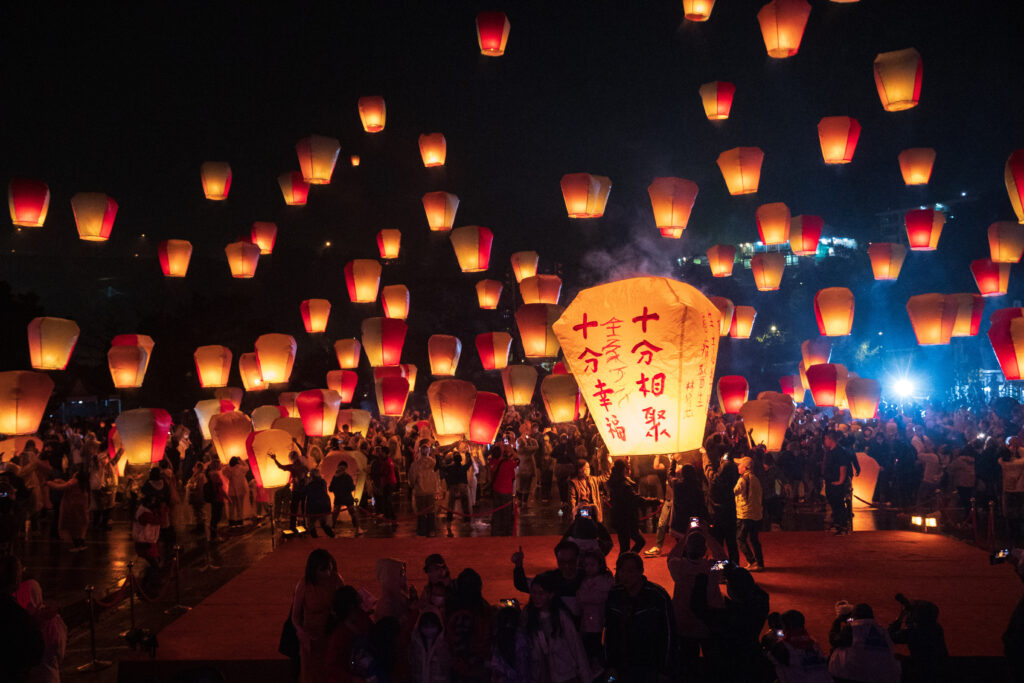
[(653, 418), (644, 317), (582, 327), (603, 390), (615, 430), (593, 361), (657, 386), (647, 355)]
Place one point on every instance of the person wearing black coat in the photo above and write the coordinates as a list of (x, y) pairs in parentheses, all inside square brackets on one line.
[(722, 476), (625, 505)]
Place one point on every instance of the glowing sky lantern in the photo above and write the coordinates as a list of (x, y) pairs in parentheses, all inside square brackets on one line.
[(898, 79), (232, 395), (143, 433), (519, 382), (1006, 333), (793, 387), (294, 188), (392, 394), (726, 308), (541, 289), (717, 97), (741, 169), (742, 322), (524, 264), (672, 201), (802, 372), (389, 243), (833, 309), (484, 423), (698, 10), (443, 351), (383, 339), (492, 33), (992, 278), (286, 399), (317, 156), (264, 235), (94, 215), (318, 410), (767, 418), (1013, 175), (243, 257), (838, 136), (264, 416), (1006, 241), (409, 371), (721, 258), (433, 149), (782, 26), (493, 348), (932, 316), (924, 227), (354, 160), (585, 195), (732, 393), (23, 399), (828, 383), (216, 177), (440, 208), (28, 201), (862, 397), (767, 269), (969, 310), (488, 293), (654, 399), (773, 223), (372, 113), (292, 425), (258, 446), (315, 313), (886, 259), (451, 405), (174, 256), (229, 432), (344, 382), (472, 245), (357, 420), (51, 342), (275, 354), (362, 277), (816, 351), (347, 351), (127, 365), (534, 324), (213, 365), (395, 299), (804, 234), (561, 396), (916, 165)]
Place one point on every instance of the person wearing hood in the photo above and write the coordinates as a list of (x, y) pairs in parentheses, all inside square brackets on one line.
[(55, 632), (429, 657), (749, 513), (862, 651), (394, 598), (796, 656)]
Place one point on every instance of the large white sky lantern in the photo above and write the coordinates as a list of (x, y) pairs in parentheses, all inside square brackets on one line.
[(643, 352)]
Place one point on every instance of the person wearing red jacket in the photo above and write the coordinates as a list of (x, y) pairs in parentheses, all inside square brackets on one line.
[(503, 478)]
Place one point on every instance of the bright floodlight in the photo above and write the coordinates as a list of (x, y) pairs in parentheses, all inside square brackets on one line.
[(903, 387)]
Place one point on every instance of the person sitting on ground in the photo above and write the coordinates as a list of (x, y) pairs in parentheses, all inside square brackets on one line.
[(640, 632), (565, 580), (862, 651), (797, 658)]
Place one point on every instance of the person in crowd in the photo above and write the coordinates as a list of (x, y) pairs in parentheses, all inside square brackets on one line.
[(73, 520), (918, 628), (562, 456), (585, 491), (591, 600), (469, 623), (625, 505), (545, 467), (862, 651), (22, 645), (347, 631), (837, 471), (238, 490), (52, 627), (796, 656), (311, 606), (439, 583), (510, 650), (931, 475), (1012, 465), (749, 512), (665, 514), (640, 632), (454, 466), (526, 448), (194, 497), (343, 488), (566, 579), (722, 476), (686, 562), (733, 651), (555, 651), (429, 658), (963, 478), (318, 504), (587, 534), (216, 495), (425, 485), (689, 501), (103, 484), (385, 480), (395, 595), (503, 478), (297, 476)]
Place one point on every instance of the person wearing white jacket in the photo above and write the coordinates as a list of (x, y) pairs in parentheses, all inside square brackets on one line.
[(555, 649), (863, 651)]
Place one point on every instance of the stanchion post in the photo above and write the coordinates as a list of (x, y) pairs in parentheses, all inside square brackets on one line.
[(273, 522), (177, 607), (129, 582), (991, 525), (973, 514), (94, 664)]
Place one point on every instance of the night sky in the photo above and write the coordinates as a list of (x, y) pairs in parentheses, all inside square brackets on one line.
[(131, 101)]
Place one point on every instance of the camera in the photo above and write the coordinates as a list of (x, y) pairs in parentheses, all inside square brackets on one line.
[(509, 602), (585, 512), (694, 522), (720, 565), (999, 556), (779, 633)]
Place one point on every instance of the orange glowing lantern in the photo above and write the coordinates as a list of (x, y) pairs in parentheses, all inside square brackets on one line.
[(433, 149), (127, 365), (318, 410), (519, 382), (804, 234), (354, 160), (243, 257), (362, 276), (389, 242), (204, 410), (768, 418), (816, 351), (392, 394), (969, 309), (886, 259), (916, 165), (802, 371), (672, 201), (263, 235), (94, 215), (216, 177), (286, 400), (440, 208), (932, 317), (29, 202), (472, 245), (229, 432), (742, 322), (898, 79), (698, 10), (249, 369), (862, 397), (773, 223), (585, 195), (259, 446), (828, 383), (444, 352), (767, 269), (561, 396), (265, 416), (782, 26), (383, 339), (534, 323), (232, 395), (838, 136), (315, 313), (484, 423), (524, 264), (924, 227), (1006, 241), (372, 113), (721, 258), (488, 292), (1006, 334), (492, 33), (493, 348), (793, 387), (143, 434), (395, 299), (409, 372), (213, 365), (275, 354), (451, 405), (1013, 175), (541, 289), (174, 257), (833, 309), (317, 156), (347, 351), (23, 399), (741, 169), (294, 188), (51, 342), (732, 393), (992, 278), (716, 97), (344, 383), (358, 421), (292, 425), (726, 308)]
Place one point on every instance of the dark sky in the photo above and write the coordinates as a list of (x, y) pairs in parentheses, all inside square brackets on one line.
[(130, 101)]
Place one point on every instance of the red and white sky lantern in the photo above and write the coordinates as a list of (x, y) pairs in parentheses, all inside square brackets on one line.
[(838, 136), (216, 177), (294, 188), (924, 227), (318, 410), (127, 364), (898, 79), (264, 235), (94, 215), (767, 269), (206, 409), (443, 351), (143, 433), (229, 432), (344, 383), (232, 395), (275, 354), (472, 245), (488, 293), (433, 149), (484, 423), (916, 165), (992, 278), (698, 10), (358, 421), (174, 256), (213, 365), (317, 156), (672, 201), (726, 308), (286, 399), (383, 339), (793, 387), (721, 258), (773, 223), (389, 243), (28, 201), (243, 257), (315, 313), (265, 416), (347, 350), (804, 234), (828, 383), (833, 309), (1006, 241), (732, 393), (259, 445), (561, 396), (782, 26), (969, 309), (249, 369), (1013, 175), (886, 259), (372, 113), (585, 195), (524, 264), (440, 208), (741, 169), (534, 324), (519, 382), (816, 351), (395, 300), (717, 97), (362, 277), (23, 399), (1006, 334), (541, 289), (392, 394), (932, 316), (51, 342), (742, 322), (492, 33), (493, 348)]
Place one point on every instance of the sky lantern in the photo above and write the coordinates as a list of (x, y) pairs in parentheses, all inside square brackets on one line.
[(862, 397), (741, 169), (395, 299), (433, 149), (232, 395), (767, 268), (992, 278), (838, 136), (767, 419), (782, 26), (793, 387), (534, 323), (392, 394), (259, 445), (344, 383), (127, 365), (969, 309), (443, 351), (213, 365), (275, 354), (292, 425), (440, 208), (347, 351), (493, 348), (23, 398), (94, 215), (229, 432), (561, 396), (492, 33), (721, 258), (716, 97), (358, 421), (216, 177), (294, 188), (732, 393), (315, 313), (804, 234), (519, 382), (243, 257), (833, 309), (143, 341), (559, 368), (389, 242), (924, 227), (484, 423), (672, 201), (816, 351), (828, 383), (773, 223), (354, 160), (51, 342), (383, 339), (1006, 333), (263, 235), (541, 289), (372, 113), (29, 201), (174, 256), (886, 259), (585, 195), (318, 410), (409, 371), (362, 276), (698, 10), (143, 433), (726, 308), (1013, 175), (264, 416), (249, 369), (451, 405), (916, 165), (1006, 241), (472, 245), (317, 156), (286, 400), (898, 78), (932, 317), (524, 264), (742, 322), (802, 372), (488, 293), (654, 399)]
